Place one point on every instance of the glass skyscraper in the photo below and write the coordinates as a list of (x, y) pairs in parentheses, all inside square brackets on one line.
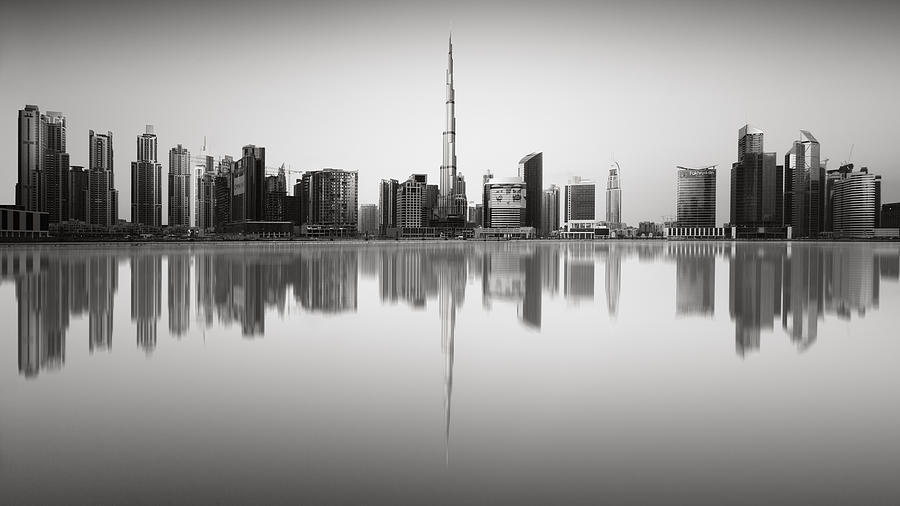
[(695, 200)]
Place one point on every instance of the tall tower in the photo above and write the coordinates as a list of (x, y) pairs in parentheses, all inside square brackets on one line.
[(146, 184), (614, 197), (448, 190)]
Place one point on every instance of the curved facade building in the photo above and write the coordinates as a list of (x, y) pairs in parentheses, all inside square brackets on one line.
[(696, 197), (614, 197), (855, 204)]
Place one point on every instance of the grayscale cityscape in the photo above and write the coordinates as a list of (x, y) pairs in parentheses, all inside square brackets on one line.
[(692, 293)]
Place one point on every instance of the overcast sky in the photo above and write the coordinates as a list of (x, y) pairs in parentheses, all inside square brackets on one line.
[(360, 85)]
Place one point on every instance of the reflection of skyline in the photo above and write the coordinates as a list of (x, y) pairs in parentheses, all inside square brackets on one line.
[(801, 283)]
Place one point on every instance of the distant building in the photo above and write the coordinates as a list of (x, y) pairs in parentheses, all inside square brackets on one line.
[(103, 198), (368, 219), (248, 190), (550, 210), (531, 170), (856, 204), (580, 200), (614, 198), (756, 183), (330, 201), (78, 193), (146, 185), (890, 215), (506, 203), (805, 188), (411, 202), (179, 187), (43, 163), (387, 204), (695, 199)]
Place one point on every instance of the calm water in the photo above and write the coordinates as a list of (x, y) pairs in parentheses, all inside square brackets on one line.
[(451, 373)]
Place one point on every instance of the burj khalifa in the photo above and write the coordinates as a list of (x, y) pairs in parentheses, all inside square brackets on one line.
[(452, 204)]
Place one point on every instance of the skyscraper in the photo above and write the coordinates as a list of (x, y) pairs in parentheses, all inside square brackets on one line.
[(43, 163), (103, 205), (756, 184), (179, 187), (331, 199), (805, 187), (614, 197), (387, 204), (550, 210), (507, 199), (248, 185), (451, 202), (146, 175), (531, 170), (857, 202), (580, 198), (411, 211), (695, 199), (78, 193)]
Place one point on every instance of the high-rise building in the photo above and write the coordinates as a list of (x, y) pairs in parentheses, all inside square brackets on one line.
[(614, 197), (248, 185), (550, 210), (78, 193), (695, 199), (890, 215), (368, 219), (805, 187), (330, 199), (531, 170), (43, 171), (451, 202), (756, 183), (179, 187), (222, 189), (581, 195), (146, 184), (507, 202), (104, 200), (412, 211), (387, 204), (856, 203)]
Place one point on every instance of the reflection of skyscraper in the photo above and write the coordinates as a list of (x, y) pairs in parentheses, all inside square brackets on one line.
[(179, 299), (146, 297), (43, 312), (103, 278), (578, 270), (531, 302), (803, 293), (695, 278), (613, 280), (329, 280), (755, 291)]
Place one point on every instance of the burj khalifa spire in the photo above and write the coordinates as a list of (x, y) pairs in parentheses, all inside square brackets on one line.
[(448, 188)]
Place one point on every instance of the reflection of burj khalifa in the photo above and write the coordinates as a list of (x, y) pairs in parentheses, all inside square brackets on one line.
[(447, 308)]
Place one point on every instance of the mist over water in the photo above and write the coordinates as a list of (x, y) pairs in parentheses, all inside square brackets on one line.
[(450, 372)]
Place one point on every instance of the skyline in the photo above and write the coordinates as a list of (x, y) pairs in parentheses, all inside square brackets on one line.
[(321, 112)]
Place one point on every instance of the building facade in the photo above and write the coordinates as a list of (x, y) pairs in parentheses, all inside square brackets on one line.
[(856, 203), (330, 200), (695, 197), (78, 193), (531, 170), (179, 187), (368, 219), (614, 197), (103, 198), (412, 211), (580, 200), (890, 215), (43, 163), (146, 184), (248, 189), (550, 210), (507, 203), (805, 188), (756, 183), (387, 204)]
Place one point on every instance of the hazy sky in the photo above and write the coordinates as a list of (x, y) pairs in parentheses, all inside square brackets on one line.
[(360, 85)]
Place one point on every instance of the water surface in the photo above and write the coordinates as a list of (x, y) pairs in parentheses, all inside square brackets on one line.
[(451, 372)]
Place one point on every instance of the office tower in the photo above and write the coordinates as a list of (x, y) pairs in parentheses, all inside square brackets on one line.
[(206, 201), (368, 219), (179, 187), (451, 202), (890, 215), (78, 193), (614, 197), (330, 199), (43, 163), (387, 204), (856, 203), (411, 206), (146, 175), (531, 170), (695, 197), (550, 210), (103, 205), (805, 195), (756, 184), (507, 206), (276, 193), (248, 185), (580, 199), (222, 190)]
